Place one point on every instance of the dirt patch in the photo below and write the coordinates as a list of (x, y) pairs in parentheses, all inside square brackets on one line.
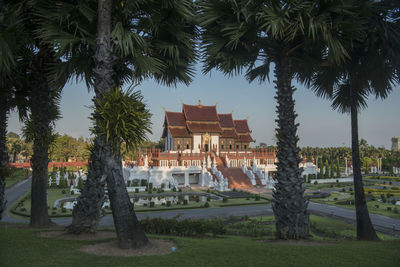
[(65, 236), (296, 242), (155, 247)]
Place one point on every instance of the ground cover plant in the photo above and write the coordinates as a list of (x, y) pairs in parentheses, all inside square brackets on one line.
[(333, 245)]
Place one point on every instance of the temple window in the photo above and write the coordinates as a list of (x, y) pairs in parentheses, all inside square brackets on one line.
[(187, 146), (245, 146), (179, 146), (237, 146), (230, 146), (222, 146)]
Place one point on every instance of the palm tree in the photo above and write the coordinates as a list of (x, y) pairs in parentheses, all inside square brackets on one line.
[(43, 96), (135, 40), (12, 88), (372, 68), (251, 35)]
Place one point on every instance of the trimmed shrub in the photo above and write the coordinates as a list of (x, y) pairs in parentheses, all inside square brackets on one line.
[(168, 203), (151, 204), (224, 199), (185, 202), (174, 189), (206, 205), (257, 197), (63, 210), (136, 190)]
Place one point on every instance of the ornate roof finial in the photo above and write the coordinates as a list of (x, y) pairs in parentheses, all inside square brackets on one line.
[(181, 101), (232, 110), (216, 103), (199, 104), (165, 110), (247, 118)]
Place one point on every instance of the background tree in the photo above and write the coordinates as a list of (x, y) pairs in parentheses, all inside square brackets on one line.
[(251, 35), (371, 68)]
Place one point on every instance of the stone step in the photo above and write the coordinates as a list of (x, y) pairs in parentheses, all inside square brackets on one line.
[(236, 178)]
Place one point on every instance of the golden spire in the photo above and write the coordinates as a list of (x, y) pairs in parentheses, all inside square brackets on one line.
[(199, 104), (165, 110), (232, 110)]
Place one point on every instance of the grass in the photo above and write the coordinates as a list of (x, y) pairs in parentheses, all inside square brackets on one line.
[(15, 176), (21, 247)]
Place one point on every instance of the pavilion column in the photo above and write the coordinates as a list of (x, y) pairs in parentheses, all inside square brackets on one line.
[(186, 178)]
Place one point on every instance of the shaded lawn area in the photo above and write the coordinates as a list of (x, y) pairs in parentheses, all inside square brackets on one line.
[(15, 176), (21, 247)]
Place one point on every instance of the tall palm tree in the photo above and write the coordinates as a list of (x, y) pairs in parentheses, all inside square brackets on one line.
[(43, 97), (13, 66), (242, 34), (372, 68), (135, 40)]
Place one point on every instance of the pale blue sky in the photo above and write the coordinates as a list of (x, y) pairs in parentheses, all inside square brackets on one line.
[(319, 124)]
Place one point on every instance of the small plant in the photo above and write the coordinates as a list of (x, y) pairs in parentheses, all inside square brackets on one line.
[(53, 213), (257, 198), (22, 209), (206, 205), (208, 191), (174, 189), (389, 208), (185, 202), (168, 203), (247, 198), (344, 189), (335, 198), (63, 210), (224, 199), (396, 210), (208, 199), (316, 182), (151, 204), (376, 206), (63, 191), (54, 208), (72, 192), (234, 190), (393, 201), (180, 190), (136, 190)]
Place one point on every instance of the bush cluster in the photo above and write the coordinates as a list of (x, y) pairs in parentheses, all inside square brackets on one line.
[(187, 227)]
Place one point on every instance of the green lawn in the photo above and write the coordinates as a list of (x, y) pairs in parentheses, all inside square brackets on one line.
[(373, 206), (21, 247), (54, 194), (15, 176)]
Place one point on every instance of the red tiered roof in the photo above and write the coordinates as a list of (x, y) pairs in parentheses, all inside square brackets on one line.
[(200, 113), (205, 119), (226, 120), (203, 127), (241, 126), (245, 138), (229, 133), (175, 118)]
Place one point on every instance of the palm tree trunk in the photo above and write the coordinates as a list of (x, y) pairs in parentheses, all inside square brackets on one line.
[(126, 224), (87, 211), (290, 206), (3, 152), (365, 229), (42, 116)]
